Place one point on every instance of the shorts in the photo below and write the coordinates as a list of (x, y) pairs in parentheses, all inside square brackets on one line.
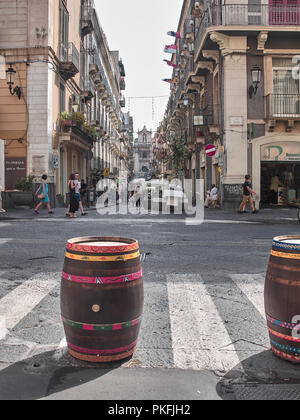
[(78, 196)]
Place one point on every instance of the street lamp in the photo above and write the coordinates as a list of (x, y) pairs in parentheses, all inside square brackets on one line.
[(256, 79), (10, 80)]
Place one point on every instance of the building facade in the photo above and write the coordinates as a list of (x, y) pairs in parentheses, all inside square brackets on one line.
[(142, 151), (236, 86), (69, 115)]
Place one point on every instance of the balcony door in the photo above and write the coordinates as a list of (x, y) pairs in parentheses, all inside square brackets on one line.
[(284, 12), (286, 90)]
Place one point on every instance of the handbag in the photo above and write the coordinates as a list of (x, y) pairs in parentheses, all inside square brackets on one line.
[(41, 196)]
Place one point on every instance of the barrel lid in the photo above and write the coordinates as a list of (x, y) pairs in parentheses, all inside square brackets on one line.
[(102, 244), (287, 242)]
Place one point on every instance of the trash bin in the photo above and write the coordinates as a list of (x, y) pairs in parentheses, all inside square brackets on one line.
[(102, 298), (282, 298)]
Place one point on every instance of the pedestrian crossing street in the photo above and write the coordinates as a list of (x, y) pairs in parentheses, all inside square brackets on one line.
[(191, 321)]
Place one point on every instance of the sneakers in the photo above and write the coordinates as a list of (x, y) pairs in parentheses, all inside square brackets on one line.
[(2, 211)]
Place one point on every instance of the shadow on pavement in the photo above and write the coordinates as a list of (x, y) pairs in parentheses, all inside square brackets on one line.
[(261, 377), (41, 375)]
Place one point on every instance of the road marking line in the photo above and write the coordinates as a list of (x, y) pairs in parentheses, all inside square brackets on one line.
[(22, 300), (252, 285), (197, 327)]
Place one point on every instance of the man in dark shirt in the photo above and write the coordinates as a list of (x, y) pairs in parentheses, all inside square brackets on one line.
[(247, 195)]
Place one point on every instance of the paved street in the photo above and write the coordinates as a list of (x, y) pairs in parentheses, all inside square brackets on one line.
[(203, 334)]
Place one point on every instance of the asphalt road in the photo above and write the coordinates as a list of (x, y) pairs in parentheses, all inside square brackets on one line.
[(203, 335)]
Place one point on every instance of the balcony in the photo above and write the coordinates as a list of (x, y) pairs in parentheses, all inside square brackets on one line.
[(122, 83), (87, 19), (69, 60), (87, 88), (263, 15), (122, 101), (283, 106)]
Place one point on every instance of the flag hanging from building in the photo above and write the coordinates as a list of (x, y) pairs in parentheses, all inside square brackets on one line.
[(172, 49), (176, 34), (171, 64), (170, 80)]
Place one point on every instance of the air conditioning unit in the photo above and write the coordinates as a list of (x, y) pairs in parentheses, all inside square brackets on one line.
[(94, 69)]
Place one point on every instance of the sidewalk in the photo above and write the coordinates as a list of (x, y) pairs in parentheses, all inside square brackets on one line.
[(265, 216)]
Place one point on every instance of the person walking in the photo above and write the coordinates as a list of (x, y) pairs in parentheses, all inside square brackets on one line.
[(247, 196), (43, 195), (78, 187), (83, 192), (77, 193), (74, 204)]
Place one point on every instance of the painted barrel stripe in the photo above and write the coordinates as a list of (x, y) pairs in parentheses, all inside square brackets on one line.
[(284, 245), (102, 249), (103, 259), (103, 280), (286, 356), (101, 352), (286, 348), (104, 327), (284, 337), (282, 324), (285, 255)]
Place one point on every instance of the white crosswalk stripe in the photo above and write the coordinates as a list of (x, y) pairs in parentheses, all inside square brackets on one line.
[(189, 322)]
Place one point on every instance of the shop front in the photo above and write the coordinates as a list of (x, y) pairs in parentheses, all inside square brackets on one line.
[(279, 172)]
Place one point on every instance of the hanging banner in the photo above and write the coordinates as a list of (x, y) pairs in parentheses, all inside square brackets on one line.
[(171, 64), (172, 49), (176, 34)]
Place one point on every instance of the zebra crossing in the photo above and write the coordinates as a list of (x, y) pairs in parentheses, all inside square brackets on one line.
[(191, 321)]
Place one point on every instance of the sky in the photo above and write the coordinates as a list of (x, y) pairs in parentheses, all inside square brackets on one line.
[(138, 29)]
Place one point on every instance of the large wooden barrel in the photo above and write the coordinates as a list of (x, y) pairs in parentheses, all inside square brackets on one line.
[(282, 297), (102, 297)]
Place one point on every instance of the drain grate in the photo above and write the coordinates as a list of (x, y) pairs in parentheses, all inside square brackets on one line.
[(267, 392)]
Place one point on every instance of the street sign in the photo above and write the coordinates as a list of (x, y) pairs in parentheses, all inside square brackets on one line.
[(210, 150)]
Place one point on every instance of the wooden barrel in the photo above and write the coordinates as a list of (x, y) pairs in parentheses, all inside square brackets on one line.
[(102, 298), (282, 297)]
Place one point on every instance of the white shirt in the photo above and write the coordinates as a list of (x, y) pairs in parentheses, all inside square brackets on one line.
[(214, 193), (77, 187)]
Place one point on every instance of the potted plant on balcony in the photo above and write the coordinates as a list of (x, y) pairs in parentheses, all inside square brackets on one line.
[(78, 118), (23, 193), (66, 120), (91, 131)]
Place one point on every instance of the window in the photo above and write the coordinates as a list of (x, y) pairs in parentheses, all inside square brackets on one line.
[(286, 89), (62, 98), (64, 30)]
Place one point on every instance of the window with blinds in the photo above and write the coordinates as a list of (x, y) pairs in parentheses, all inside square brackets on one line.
[(286, 89)]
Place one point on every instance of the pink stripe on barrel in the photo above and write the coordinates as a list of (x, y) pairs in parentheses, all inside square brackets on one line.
[(102, 352), (102, 280)]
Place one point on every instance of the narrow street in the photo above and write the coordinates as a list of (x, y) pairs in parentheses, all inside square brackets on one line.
[(203, 333)]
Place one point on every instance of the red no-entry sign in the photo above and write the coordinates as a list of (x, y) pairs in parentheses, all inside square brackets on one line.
[(210, 150)]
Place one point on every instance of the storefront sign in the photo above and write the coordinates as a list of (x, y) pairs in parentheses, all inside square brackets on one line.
[(15, 169), (282, 152)]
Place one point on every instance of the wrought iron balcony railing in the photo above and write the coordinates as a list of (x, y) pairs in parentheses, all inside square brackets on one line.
[(248, 15), (69, 60), (283, 106)]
